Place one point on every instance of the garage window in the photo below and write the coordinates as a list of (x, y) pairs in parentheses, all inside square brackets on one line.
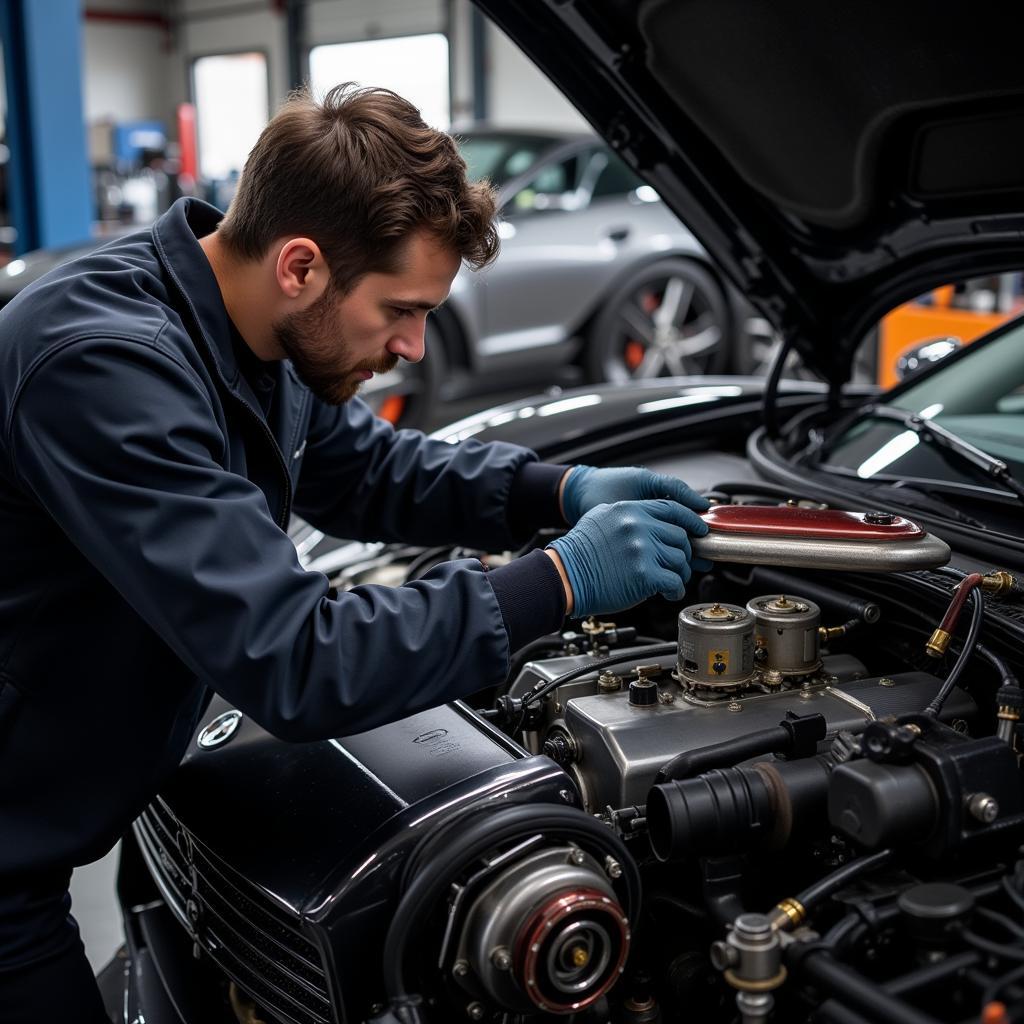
[(415, 67), (232, 100)]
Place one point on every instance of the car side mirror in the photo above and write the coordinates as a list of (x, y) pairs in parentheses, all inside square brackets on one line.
[(922, 355)]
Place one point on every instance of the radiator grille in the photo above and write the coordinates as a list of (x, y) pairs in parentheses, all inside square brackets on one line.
[(255, 942)]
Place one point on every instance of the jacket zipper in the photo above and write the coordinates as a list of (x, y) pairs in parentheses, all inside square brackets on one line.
[(282, 519)]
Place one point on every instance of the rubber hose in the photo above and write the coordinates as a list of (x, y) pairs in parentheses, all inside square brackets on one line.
[(977, 614)]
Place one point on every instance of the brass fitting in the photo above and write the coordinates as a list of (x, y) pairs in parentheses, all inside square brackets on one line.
[(762, 985), (643, 672), (827, 633), (592, 627), (938, 643), (788, 914), (998, 582)]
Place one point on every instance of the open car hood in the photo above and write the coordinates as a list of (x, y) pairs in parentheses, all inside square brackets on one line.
[(835, 159)]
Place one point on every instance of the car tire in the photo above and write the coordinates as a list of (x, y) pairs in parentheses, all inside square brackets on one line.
[(669, 317), (407, 396)]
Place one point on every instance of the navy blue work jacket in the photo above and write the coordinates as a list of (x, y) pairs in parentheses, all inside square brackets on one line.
[(144, 495)]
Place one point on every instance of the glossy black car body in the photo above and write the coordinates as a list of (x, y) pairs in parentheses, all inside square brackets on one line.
[(841, 161)]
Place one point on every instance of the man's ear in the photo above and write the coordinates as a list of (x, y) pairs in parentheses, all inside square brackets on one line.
[(301, 269)]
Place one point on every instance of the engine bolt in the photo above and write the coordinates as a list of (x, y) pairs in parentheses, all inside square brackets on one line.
[(475, 1011), (983, 807), (612, 867), (723, 956), (879, 518), (501, 958), (460, 968), (734, 705), (566, 795), (577, 856), (886, 681), (608, 682)]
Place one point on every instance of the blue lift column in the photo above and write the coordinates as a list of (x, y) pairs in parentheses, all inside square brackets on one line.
[(48, 174)]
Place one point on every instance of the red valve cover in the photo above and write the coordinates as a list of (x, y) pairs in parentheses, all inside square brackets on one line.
[(807, 523)]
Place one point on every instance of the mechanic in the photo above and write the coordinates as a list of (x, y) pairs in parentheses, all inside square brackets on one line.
[(167, 402)]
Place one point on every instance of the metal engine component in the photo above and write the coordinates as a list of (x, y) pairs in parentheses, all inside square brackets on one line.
[(716, 647), (817, 539), (786, 634), (750, 958), (546, 934), (618, 749)]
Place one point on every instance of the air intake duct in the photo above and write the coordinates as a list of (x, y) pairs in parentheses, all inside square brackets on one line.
[(737, 809)]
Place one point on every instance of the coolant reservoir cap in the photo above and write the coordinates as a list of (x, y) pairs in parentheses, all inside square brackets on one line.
[(935, 911)]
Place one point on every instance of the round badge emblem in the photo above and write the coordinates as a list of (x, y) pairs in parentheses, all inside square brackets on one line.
[(220, 730)]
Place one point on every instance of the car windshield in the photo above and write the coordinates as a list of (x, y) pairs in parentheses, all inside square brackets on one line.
[(500, 156), (979, 397)]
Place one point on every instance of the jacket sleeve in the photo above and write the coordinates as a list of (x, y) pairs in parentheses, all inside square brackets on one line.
[(118, 442), (364, 480)]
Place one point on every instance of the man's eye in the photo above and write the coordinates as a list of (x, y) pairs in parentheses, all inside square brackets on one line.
[(401, 311)]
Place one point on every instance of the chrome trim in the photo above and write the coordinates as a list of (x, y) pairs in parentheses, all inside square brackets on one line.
[(860, 706), (929, 552), (220, 730)]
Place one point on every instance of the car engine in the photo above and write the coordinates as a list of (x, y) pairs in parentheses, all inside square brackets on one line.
[(797, 797)]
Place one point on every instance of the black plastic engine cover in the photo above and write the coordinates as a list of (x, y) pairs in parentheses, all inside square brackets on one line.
[(281, 860)]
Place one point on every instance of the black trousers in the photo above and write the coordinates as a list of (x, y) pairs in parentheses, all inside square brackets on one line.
[(45, 977)]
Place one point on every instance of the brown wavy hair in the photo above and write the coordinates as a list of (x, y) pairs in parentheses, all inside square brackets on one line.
[(357, 173)]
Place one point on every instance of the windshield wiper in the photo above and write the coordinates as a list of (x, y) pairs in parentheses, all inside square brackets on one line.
[(988, 464)]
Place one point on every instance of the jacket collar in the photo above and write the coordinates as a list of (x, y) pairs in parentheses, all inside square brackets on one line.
[(176, 235)]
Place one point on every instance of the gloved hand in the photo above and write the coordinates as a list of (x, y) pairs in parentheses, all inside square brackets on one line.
[(618, 555), (586, 488)]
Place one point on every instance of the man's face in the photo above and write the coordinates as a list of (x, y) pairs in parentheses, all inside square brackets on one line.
[(338, 342)]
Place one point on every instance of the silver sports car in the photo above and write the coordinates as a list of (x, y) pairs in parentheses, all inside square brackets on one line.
[(596, 280)]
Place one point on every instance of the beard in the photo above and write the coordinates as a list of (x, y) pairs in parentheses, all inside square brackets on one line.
[(321, 353)]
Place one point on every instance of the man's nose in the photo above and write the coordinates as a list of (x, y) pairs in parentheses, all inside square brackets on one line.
[(410, 344)]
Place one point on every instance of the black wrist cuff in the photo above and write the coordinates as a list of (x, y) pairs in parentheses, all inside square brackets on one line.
[(531, 597)]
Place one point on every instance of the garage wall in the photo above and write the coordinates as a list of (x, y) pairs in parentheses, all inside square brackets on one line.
[(126, 65), (346, 21), (202, 30), (219, 26), (519, 94)]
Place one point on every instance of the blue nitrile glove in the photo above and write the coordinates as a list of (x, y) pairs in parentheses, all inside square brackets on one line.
[(618, 555), (587, 487)]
